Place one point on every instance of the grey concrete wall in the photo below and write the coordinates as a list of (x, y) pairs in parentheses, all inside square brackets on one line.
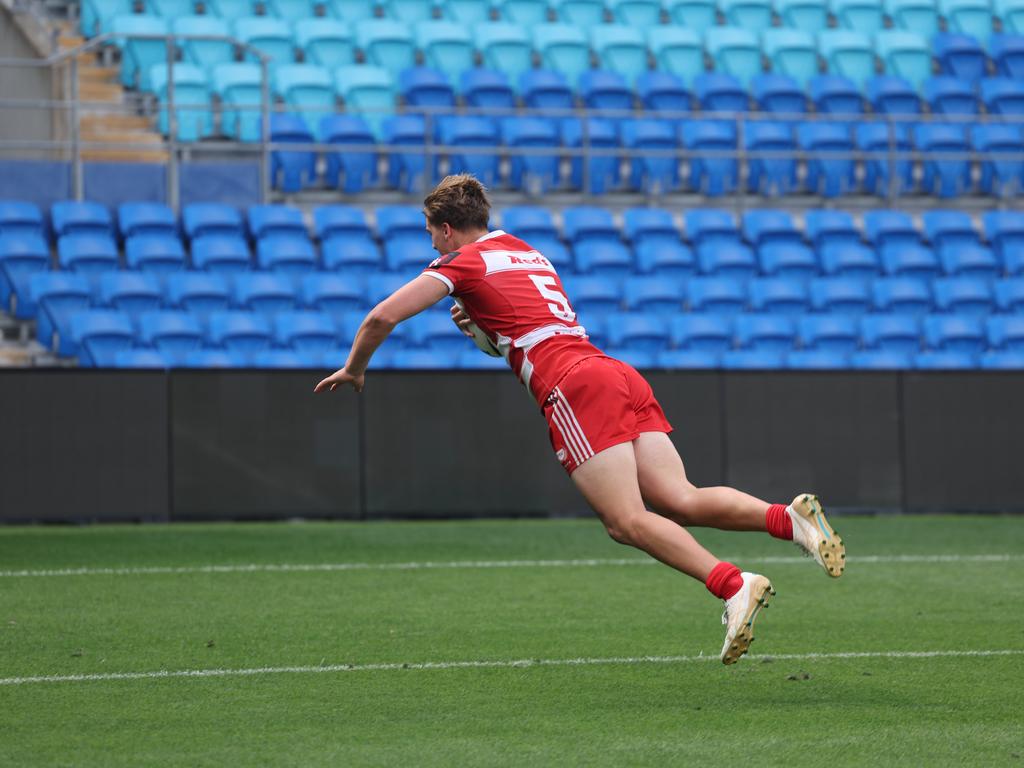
[(18, 82)]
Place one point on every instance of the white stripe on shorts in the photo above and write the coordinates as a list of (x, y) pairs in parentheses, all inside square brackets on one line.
[(575, 422), (567, 435)]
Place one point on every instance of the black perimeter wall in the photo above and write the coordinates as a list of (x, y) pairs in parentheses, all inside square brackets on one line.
[(198, 445)]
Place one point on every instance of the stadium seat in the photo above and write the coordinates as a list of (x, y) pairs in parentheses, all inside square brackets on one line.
[(221, 253), (139, 54), (213, 359), (677, 50), (705, 333), (239, 331), (866, 16), (639, 359), (698, 15), (192, 122), (950, 96), (848, 53), (686, 359), (775, 173), (291, 170), (352, 171), (581, 13), (265, 220), (1007, 50), (87, 253), (881, 360), (546, 89), (145, 218), (945, 360), (172, 332), (447, 46), (657, 171), (583, 223), (967, 17), (735, 50), (399, 220), (593, 297), (605, 90), (57, 295), (285, 359), (792, 52), (905, 54), (963, 295), (474, 360), (528, 13), (20, 218), (711, 226), (1005, 231), (198, 293), (639, 332), (333, 294), (841, 295), (158, 253), (211, 219), (205, 54), (778, 94), (902, 295), (653, 295), (308, 89), (817, 360), (22, 254), (408, 10), (532, 172), (809, 16), (1006, 332), (831, 170), (99, 333), (95, 16), (899, 244), (839, 245), (890, 95), (264, 292), (961, 56), (665, 258), (408, 254), (354, 10), (717, 295), (836, 95), (959, 245), (70, 217), (920, 16), (621, 49), (771, 332), (435, 331), (239, 87), (891, 333), (752, 359), (1003, 96), (753, 15), (955, 333), (425, 87), (712, 176), (407, 170), (386, 43), (950, 174), (563, 48), (286, 253), (129, 292), (831, 332), (779, 244), (996, 360), (141, 359), (778, 296), (469, 131), (325, 42), (1002, 167), (505, 48), (305, 331), (528, 221), (553, 250), (271, 36), (636, 13), (719, 92), (230, 9), (368, 92), (890, 165), (663, 92), (424, 359)]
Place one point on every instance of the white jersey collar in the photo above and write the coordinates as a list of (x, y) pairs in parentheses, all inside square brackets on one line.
[(489, 235)]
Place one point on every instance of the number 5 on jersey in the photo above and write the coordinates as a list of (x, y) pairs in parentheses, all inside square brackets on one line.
[(559, 304)]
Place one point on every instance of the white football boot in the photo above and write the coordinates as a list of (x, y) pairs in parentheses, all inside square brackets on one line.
[(740, 611), (813, 534)]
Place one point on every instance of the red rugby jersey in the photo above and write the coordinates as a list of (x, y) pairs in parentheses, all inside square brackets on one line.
[(513, 293)]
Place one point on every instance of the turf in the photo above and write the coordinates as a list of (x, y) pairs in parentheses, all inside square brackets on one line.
[(766, 710)]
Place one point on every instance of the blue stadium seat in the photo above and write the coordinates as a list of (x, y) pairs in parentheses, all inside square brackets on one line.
[(955, 333), (848, 53), (435, 331), (817, 360), (333, 294), (1003, 96), (736, 50), (967, 17), (780, 246), (192, 122), (326, 42), (424, 359), (866, 16), (839, 245), (720, 92), (354, 171), (138, 54), (753, 15), (712, 176), (408, 254), (960, 56), (230, 9), (620, 49), (465, 11), (831, 170), (340, 220), (582, 13), (948, 95), (594, 296), (945, 360), (636, 13), (157, 253), (654, 295), (553, 250), (368, 92), (284, 359), (774, 174), (711, 226), (71, 217), (686, 359), (425, 87), (890, 165), (221, 253), (902, 295), (881, 360), (307, 88), (305, 331), (809, 16), (286, 253), (99, 334), (1011, 14), (545, 89), (603, 257), (596, 174), (20, 218), (921, 16), (469, 131), (792, 52), (752, 359), (659, 248), (353, 10), (638, 359), (532, 172), (264, 292), (1002, 166), (663, 92), (505, 48), (145, 218), (141, 359), (214, 358), (891, 95), (995, 360), (528, 13), (656, 171), (905, 54), (909, 259), (564, 48), (891, 333), (636, 331), (528, 221), (640, 224), (706, 333), (291, 170), (717, 295), (605, 90), (1006, 332), (87, 253), (585, 223), (831, 332), (1007, 51), (835, 95), (963, 295), (842, 295), (474, 360), (677, 50), (130, 292), (96, 15), (239, 330), (778, 296), (1005, 231), (407, 170), (447, 46), (698, 15), (239, 87), (770, 332), (959, 245), (396, 220), (778, 94), (172, 332), (265, 220), (22, 254), (386, 43), (57, 295), (271, 36), (211, 219), (198, 293), (408, 10)]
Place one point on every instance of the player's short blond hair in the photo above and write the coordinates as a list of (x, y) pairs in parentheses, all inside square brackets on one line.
[(460, 201)]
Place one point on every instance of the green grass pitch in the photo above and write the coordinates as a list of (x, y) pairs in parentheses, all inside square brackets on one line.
[(914, 584)]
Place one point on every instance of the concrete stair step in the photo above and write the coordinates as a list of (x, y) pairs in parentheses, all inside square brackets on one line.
[(98, 74), (102, 124), (94, 91)]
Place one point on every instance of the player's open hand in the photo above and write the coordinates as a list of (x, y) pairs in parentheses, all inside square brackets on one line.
[(461, 319), (341, 378)]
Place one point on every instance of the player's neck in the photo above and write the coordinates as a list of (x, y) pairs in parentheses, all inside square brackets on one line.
[(461, 238)]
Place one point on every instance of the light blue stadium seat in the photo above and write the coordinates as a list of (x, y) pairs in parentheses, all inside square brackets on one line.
[(712, 176), (307, 88), (597, 173), (157, 253), (141, 359), (139, 54), (636, 13), (292, 10), (534, 173), (767, 332), (305, 331), (465, 12), (1005, 231), (735, 51), (239, 331), (193, 112), (131, 292), (1011, 14), (831, 332), (720, 92), (291, 170), (752, 360), (563, 48), (546, 89), (270, 36), (677, 50), (425, 87), (717, 295), (698, 15), (1006, 332), (581, 13), (620, 49), (1003, 96), (221, 253), (774, 174), (239, 87), (948, 95), (350, 10), (368, 91), (205, 54), (792, 52), (959, 246), (902, 295), (905, 54), (69, 217), (865, 16), (145, 218), (1006, 361), (326, 42), (334, 294), (198, 293), (1002, 166), (968, 17), (891, 163), (892, 333), (56, 295), (264, 292), (654, 295), (881, 360), (355, 171), (955, 333), (848, 261), (594, 296), (807, 15), (505, 48), (528, 13), (778, 295), (87, 253), (890, 95), (487, 88), (654, 171), (919, 16), (706, 333), (663, 92), (471, 131), (96, 15), (99, 334), (22, 254), (754, 15), (411, 11), (843, 295), (778, 94), (835, 95), (266, 220), (817, 360), (286, 253), (847, 53), (387, 44), (960, 56), (174, 333), (947, 168), (447, 46), (230, 9), (637, 332), (1007, 50), (831, 170), (963, 295), (945, 360)]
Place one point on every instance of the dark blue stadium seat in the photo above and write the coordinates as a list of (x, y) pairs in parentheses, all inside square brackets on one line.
[(71, 217), (835, 95), (716, 295), (1007, 53), (356, 170), (656, 171), (831, 171), (603, 89), (890, 164), (817, 360), (1005, 361), (778, 94), (199, 293), (1002, 166), (22, 254), (332, 293), (286, 253), (774, 173), (87, 252), (842, 295), (156, 252), (57, 295), (908, 295), (476, 132), (265, 220), (773, 332), (435, 331), (891, 333), (407, 170), (720, 92), (599, 173), (1009, 294), (425, 87), (131, 292), (145, 219), (686, 359), (20, 218), (947, 95), (141, 358), (881, 360), (663, 92), (305, 331), (1006, 332), (173, 332), (487, 88), (947, 169), (752, 359), (959, 246), (835, 333), (712, 176), (778, 295), (637, 331), (945, 360), (955, 333), (706, 333), (963, 295), (532, 172), (891, 95), (351, 254), (654, 295), (221, 253), (1003, 96), (98, 334), (1005, 231), (211, 219), (264, 292), (291, 170), (593, 296), (960, 56), (238, 330)]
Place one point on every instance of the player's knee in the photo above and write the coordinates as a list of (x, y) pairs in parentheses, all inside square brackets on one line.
[(683, 503), (621, 529)]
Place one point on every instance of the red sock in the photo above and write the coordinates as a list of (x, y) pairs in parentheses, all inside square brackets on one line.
[(778, 522), (724, 581)]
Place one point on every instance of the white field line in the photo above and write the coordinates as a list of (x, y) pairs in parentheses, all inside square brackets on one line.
[(496, 664), (455, 564)]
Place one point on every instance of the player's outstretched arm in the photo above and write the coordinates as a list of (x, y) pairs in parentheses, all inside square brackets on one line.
[(411, 299)]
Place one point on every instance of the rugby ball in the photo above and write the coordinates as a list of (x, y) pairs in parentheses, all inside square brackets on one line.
[(483, 343)]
